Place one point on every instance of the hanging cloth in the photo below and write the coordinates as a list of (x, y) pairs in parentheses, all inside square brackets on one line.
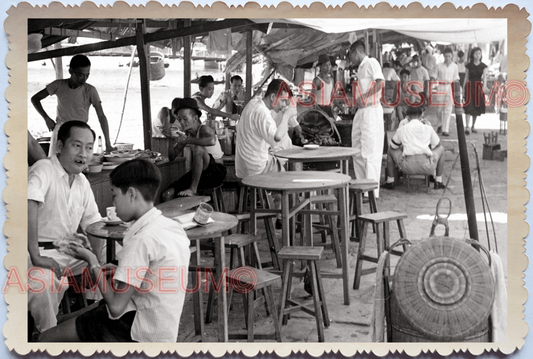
[(220, 42)]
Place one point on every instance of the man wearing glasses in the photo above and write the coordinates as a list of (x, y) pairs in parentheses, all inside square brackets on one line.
[(74, 97)]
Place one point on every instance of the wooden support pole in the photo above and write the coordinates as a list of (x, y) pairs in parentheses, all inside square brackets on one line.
[(144, 71), (249, 53), (465, 171), (187, 52)]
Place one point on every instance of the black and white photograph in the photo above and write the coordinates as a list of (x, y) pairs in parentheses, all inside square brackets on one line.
[(297, 181)]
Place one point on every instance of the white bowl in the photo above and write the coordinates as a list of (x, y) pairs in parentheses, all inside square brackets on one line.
[(94, 168), (311, 147)]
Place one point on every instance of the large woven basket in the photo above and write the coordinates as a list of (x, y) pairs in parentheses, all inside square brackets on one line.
[(443, 291)]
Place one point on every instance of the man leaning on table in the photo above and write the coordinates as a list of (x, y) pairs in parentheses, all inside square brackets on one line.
[(367, 130), (257, 132), (60, 202)]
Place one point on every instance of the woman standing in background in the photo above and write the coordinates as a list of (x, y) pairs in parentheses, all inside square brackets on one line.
[(476, 73)]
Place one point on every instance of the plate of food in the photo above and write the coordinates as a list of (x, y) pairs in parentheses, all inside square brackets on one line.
[(311, 146), (152, 156), (124, 153)]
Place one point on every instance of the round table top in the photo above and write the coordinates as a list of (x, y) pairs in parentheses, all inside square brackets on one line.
[(222, 222), (297, 180), (103, 230), (319, 154)]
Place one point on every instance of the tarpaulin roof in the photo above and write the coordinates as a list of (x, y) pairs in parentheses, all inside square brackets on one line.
[(438, 30), (303, 41)]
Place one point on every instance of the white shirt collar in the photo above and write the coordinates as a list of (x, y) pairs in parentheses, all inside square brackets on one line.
[(143, 221)]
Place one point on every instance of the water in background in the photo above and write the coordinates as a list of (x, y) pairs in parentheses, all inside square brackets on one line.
[(110, 80)]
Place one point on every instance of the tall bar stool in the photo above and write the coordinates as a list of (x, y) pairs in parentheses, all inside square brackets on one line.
[(382, 239), (237, 243), (243, 215), (249, 280), (327, 223), (288, 305), (357, 189)]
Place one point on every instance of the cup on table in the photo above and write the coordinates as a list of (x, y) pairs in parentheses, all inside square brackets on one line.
[(203, 213), (112, 214)]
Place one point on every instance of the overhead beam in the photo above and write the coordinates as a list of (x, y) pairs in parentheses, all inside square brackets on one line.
[(152, 37), (55, 31)]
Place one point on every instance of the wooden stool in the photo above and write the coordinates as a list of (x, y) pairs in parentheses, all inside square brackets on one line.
[(236, 243), (357, 188), (216, 197), (327, 223), (247, 280), (197, 294), (382, 241), (268, 218), (408, 177), (312, 255)]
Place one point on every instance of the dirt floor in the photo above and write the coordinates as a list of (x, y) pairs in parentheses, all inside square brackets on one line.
[(351, 323)]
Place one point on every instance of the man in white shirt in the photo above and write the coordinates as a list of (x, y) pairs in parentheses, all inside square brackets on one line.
[(389, 73), (367, 130), (294, 129), (257, 132), (447, 73), (60, 201), (429, 62), (410, 150)]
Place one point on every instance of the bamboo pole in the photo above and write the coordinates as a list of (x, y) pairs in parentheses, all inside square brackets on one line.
[(249, 53), (465, 170)]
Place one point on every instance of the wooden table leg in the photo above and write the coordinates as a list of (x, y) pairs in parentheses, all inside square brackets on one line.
[(110, 251), (285, 210), (198, 308), (343, 225), (253, 206), (222, 298)]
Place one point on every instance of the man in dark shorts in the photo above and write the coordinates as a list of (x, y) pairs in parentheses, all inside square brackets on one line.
[(205, 172)]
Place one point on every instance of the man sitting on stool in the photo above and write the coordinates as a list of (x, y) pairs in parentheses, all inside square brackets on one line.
[(410, 150), (205, 171)]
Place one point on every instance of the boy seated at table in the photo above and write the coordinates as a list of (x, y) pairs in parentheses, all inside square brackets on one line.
[(143, 297)]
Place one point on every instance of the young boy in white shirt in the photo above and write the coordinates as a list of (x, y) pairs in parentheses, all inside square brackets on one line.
[(144, 296)]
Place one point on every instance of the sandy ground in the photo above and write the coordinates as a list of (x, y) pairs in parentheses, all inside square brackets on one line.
[(350, 323)]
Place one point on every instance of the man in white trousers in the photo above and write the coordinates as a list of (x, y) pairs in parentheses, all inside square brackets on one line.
[(367, 129), (447, 74)]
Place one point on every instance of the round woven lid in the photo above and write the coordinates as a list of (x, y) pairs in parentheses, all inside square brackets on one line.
[(443, 287)]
